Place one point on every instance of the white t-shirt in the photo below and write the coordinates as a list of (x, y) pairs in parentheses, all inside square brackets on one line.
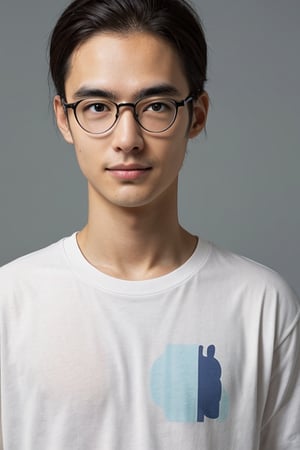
[(206, 357)]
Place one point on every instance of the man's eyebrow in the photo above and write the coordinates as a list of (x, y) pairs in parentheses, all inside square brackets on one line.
[(160, 89), (87, 92)]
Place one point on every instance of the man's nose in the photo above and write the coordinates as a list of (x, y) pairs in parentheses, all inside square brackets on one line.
[(127, 134)]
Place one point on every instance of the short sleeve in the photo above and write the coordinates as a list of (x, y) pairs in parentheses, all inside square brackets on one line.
[(281, 421), (1, 443), (1, 440)]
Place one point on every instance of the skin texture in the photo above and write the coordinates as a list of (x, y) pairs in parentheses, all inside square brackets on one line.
[(132, 230)]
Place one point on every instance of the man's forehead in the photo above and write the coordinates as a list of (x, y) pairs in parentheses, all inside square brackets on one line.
[(135, 63)]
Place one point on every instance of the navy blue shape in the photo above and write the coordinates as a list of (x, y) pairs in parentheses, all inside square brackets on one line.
[(209, 384)]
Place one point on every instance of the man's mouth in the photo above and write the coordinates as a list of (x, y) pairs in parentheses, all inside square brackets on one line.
[(129, 171)]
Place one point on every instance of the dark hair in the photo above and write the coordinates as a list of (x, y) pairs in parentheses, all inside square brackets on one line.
[(173, 20)]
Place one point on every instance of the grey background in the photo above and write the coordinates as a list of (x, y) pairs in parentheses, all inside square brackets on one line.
[(240, 185)]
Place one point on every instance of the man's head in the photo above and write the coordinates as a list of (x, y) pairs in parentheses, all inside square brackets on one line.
[(133, 72), (173, 20)]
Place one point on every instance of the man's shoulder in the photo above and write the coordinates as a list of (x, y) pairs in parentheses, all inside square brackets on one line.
[(246, 278), (245, 269), (32, 264)]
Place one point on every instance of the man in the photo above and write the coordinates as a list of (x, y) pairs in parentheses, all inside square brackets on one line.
[(133, 333)]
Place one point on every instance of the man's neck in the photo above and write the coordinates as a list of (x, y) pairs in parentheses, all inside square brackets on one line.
[(135, 243)]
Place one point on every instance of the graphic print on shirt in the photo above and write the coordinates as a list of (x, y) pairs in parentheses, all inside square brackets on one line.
[(186, 384)]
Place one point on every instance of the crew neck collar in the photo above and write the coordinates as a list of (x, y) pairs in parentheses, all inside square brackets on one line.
[(99, 280)]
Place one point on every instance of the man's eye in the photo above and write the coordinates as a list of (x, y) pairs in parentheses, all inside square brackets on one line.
[(95, 107), (98, 107), (157, 107)]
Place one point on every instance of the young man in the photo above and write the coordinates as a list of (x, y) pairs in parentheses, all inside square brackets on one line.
[(133, 334)]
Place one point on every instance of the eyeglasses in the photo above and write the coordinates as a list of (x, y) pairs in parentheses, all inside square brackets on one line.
[(98, 115)]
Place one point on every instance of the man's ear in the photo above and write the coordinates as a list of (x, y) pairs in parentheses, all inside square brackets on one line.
[(200, 111), (62, 119)]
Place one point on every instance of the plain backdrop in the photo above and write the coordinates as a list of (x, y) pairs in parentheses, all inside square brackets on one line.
[(240, 185)]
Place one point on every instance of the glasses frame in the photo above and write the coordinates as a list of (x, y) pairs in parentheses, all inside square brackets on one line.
[(177, 104)]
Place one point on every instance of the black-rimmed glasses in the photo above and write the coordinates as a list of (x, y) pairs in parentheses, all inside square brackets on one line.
[(99, 115)]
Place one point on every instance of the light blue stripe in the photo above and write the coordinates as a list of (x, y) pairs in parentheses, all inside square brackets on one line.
[(174, 381)]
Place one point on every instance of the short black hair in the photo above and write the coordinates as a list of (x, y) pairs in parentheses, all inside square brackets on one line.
[(173, 20)]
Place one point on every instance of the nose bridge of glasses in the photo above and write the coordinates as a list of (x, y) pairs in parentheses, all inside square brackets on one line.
[(127, 105)]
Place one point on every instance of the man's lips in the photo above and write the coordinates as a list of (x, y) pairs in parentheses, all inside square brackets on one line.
[(129, 171)]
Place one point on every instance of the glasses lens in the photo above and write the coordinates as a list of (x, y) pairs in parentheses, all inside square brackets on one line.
[(156, 114), (96, 115)]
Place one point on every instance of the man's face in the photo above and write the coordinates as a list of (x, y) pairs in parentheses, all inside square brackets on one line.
[(128, 166)]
